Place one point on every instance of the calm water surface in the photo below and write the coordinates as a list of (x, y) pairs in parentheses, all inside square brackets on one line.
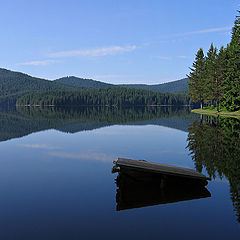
[(56, 180)]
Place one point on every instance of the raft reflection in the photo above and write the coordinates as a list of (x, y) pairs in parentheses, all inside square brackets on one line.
[(136, 189)]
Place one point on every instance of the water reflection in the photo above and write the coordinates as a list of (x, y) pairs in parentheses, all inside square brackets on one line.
[(137, 189), (15, 123), (57, 186), (215, 145)]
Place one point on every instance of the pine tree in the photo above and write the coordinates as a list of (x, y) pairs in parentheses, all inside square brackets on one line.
[(215, 75), (232, 95), (196, 78), (210, 76), (220, 77)]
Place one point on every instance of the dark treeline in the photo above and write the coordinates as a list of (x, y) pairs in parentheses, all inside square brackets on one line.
[(103, 97), (215, 145), (215, 78)]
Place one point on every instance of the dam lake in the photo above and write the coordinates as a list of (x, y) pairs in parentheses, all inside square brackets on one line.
[(56, 179)]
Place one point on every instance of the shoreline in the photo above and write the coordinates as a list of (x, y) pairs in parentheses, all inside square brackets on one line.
[(39, 105), (216, 114)]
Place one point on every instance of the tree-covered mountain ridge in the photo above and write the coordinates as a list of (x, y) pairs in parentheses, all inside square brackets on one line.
[(15, 85), (15, 82), (12, 82), (171, 87)]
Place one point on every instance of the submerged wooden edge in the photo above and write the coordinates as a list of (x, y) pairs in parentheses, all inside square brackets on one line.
[(160, 168)]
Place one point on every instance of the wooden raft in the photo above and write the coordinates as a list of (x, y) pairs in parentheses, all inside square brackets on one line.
[(142, 165)]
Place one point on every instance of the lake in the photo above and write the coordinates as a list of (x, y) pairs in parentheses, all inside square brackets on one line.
[(56, 179)]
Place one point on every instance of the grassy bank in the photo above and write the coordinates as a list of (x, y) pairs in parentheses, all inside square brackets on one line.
[(215, 113)]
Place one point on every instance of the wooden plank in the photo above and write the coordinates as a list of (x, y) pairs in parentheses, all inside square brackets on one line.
[(160, 168)]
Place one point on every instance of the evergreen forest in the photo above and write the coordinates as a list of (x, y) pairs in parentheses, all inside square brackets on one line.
[(14, 85), (103, 97), (214, 80)]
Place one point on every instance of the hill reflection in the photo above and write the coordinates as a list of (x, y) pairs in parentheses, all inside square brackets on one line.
[(15, 123)]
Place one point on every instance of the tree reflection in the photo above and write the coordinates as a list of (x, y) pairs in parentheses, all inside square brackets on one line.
[(215, 144), (15, 123)]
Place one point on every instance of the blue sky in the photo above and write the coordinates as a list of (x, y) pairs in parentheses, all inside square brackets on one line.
[(127, 41)]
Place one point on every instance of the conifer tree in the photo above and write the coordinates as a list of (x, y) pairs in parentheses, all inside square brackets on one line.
[(232, 84), (210, 76), (215, 75), (220, 77), (196, 78)]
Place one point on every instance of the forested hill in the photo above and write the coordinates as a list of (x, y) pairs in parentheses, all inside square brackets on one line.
[(171, 87), (14, 85), (15, 82), (83, 82)]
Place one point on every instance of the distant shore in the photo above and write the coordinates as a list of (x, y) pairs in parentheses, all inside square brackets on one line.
[(215, 113), (74, 105)]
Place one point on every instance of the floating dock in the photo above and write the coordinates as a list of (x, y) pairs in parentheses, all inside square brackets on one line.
[(149, 167), (141, 183)]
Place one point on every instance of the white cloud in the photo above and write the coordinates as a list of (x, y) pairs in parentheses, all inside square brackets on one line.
[(209, 30), (169, 57), (91, 156), (38, 63), (163, 57), (39, 146), (173, 38), (182, 57), (94, 52)]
